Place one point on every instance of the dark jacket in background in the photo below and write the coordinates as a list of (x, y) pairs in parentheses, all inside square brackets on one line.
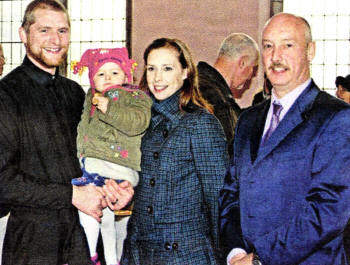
[(39, 114), (216, 91)]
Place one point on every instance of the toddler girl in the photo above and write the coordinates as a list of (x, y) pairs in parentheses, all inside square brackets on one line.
[(115, 116)]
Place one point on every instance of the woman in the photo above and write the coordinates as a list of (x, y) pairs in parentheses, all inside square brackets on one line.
[(184, 160)]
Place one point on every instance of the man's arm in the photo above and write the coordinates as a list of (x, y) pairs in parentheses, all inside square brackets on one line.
[(230, 227)]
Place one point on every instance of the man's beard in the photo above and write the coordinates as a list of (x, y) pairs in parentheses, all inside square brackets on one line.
[(46, 61)]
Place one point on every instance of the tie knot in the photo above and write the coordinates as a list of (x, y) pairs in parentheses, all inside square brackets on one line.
[(277, 108)]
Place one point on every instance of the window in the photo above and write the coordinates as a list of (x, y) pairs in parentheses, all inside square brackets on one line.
[(330, 24), (95, 24), (11, 14), (101, 23)]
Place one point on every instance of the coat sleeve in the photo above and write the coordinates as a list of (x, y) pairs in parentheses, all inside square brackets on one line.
[(327, 206), (130, 114), (229, 221), (84, 123), (211, 161), (17, 187)]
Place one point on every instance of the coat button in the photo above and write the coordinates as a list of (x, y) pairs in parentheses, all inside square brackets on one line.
[(165, 133), (167, 246), (150, 209), (152, 182), (175, 246), (155, 155)]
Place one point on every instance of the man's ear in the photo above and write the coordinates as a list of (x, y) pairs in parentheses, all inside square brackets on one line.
[(311, 50), (243, 61), (22, 35)]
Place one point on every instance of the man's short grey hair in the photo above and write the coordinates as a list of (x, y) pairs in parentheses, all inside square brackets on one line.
[(238, 44)]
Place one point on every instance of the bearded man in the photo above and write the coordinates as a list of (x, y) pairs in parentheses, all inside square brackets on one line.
[(39, 113)]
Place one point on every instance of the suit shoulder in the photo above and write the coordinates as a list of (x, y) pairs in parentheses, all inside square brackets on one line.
[(254, 110), (325, 101), (12, 82)]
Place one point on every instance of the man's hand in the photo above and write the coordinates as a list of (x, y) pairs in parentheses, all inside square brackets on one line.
[(242, 259), (118, 195), (89, 200)]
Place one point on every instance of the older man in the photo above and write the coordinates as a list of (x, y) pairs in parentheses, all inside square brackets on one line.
[(286, 197), (229, 77), (39, 113)]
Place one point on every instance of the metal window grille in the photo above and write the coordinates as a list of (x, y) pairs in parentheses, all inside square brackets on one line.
[(95, 24), (330, 23), (11, 14)]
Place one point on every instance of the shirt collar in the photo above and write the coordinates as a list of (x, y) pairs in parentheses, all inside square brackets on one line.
[(287, 100), (40, 76)]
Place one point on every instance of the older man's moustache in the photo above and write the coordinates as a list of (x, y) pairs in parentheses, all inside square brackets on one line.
[(278, 66)]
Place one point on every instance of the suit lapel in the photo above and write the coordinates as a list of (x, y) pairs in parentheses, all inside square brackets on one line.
[(257, 130), (295, 116)]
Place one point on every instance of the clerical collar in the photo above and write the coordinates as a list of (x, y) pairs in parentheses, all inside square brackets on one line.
[(40, 76)]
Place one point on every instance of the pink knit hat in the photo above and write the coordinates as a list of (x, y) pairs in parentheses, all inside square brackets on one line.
[(93, 59)]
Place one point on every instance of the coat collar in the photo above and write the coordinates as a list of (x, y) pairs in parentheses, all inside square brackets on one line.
[(166, 109), (298, 113)]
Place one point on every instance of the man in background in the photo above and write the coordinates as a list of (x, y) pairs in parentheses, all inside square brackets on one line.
[(231, 74)]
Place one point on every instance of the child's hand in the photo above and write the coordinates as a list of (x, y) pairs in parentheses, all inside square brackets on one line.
[(100, 102)]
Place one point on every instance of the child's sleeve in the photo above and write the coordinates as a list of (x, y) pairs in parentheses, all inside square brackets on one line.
[(128, 112), (83, 124)]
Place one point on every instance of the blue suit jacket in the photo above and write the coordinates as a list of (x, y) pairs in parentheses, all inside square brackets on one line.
[(290, 201)]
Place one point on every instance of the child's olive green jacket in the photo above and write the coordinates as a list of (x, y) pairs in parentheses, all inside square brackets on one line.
[(116, 135)]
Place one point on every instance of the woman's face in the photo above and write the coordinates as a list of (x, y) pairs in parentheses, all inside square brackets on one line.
[(164, 72)]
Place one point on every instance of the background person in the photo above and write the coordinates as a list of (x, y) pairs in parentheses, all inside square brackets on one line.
[(229, 77), (184, 160), (343, 88), (116, 115), (286, 197)]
